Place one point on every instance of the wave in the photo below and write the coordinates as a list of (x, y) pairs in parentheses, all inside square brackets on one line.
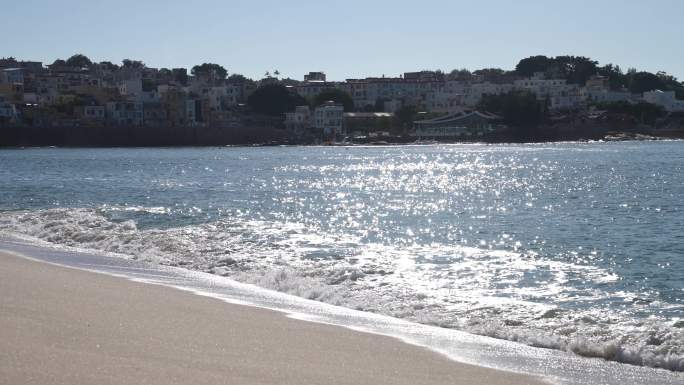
[(482, 291)]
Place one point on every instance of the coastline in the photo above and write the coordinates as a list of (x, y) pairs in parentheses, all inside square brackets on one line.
[(68, 326)]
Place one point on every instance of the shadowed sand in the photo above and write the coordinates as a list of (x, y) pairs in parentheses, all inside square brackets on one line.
[(66, 326)]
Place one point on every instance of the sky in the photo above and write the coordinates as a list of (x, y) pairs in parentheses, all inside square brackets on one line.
[(347, 39)]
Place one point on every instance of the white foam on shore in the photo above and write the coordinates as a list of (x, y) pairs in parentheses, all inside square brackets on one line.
[(555, 366), (434, 285)]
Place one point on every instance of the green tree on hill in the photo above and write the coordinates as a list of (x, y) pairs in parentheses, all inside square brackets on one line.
[(274, 100), (237, 78), (520, 110), (128, 63), (180, 75), (108, 65), (211, 70), (462, 74), (528, 66), (79, 60), (574, 69), (641, 82), (493, 74)]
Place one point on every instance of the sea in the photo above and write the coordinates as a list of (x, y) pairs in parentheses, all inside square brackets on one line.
[(569, 249)]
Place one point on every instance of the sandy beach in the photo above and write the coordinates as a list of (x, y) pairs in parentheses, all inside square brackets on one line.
[(66, 326)]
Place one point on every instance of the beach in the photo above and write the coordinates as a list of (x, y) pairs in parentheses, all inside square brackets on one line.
[(66, 326)]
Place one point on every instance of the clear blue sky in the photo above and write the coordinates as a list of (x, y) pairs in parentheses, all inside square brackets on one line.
[(352, 38)]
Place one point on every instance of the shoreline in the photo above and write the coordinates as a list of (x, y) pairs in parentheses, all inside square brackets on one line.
[(123, 331), (611, 138)]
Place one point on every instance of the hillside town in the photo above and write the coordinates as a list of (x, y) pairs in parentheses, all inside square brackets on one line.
[(414, 106)]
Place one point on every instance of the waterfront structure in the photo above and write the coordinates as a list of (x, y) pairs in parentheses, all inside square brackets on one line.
[(460, 124), (360, 124)]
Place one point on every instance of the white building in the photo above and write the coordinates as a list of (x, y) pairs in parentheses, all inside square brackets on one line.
[(330, 119), (597, 90), (605, 96), (312, 88), (298, 121), (470, 93), (665, 99), (559, 94)]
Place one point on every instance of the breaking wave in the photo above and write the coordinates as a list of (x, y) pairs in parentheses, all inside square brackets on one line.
[(482, 291)]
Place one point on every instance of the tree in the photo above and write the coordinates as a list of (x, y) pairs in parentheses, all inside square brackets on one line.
[(108, 65), (493, 74), (405, 116), (211, 70), (528, 66), (645, 112), (237, 79), (335, 95), (520, 110), (180, 75), (641, 82), (137, 64), (59, 63), (672, 84), (165, 73), (274, 100), (462, 74), (575, 69), (79, 60), (148, 85), (616, 78)]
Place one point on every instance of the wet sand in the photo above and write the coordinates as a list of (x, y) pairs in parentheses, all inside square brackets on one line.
[(67, 326)]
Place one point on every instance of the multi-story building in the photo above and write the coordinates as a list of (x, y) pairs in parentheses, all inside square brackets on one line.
[(299, 121), (329, 118), (315, 77), (665, 99), (557, 92), (597, 90)]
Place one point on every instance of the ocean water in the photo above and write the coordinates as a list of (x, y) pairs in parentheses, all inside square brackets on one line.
[(576, 247)]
